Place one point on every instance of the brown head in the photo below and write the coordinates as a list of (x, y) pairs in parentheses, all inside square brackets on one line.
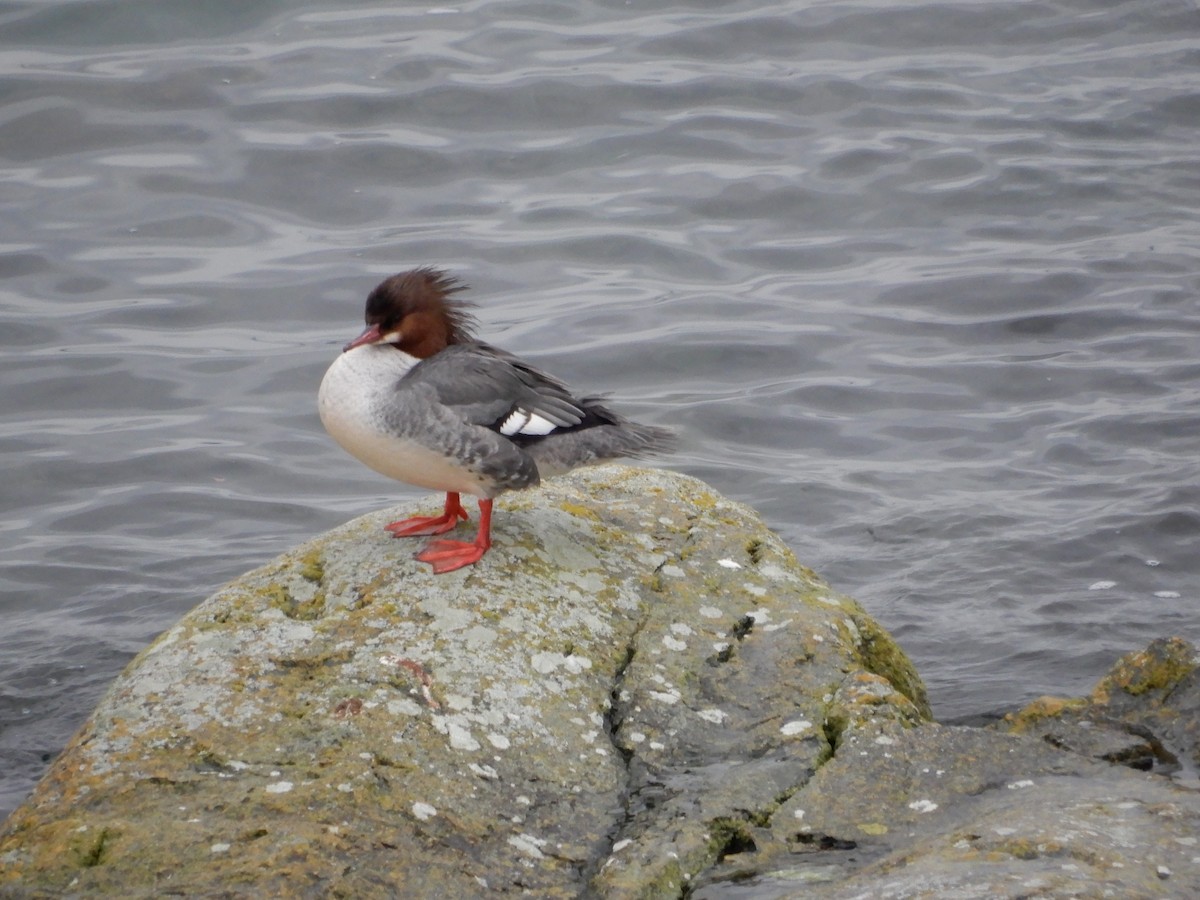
[(416, 312)]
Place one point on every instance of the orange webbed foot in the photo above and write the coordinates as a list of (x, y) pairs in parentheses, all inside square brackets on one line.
[(446, 555), (430, 524)]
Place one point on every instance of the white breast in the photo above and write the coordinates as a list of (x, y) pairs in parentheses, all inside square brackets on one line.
[(352, 393)]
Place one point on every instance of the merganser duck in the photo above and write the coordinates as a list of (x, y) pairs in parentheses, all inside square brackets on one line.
[(418, 399)]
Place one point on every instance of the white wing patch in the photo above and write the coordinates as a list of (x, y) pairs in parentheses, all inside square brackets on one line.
[(522, 421)]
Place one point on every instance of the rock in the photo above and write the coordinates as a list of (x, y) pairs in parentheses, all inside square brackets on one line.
[(1145, 713), (938, 811), (634, 684), (638, 693)]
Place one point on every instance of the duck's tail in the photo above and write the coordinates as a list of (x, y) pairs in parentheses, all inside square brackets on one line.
[(603, 435)]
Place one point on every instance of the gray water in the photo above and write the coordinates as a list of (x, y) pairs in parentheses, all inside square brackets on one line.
[(917, 280)]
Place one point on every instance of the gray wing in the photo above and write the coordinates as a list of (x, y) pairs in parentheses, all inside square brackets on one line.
[(488, 387), (509, 421), (483, 408)]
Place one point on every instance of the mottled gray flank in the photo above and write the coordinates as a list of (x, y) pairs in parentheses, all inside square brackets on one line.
[(637, 693)]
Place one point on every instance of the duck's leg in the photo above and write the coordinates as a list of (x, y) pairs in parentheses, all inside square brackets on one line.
[(447, 555), (430, 524)]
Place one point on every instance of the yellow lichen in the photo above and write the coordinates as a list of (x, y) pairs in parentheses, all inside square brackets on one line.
[(312, 567), (578, 509), (1042, 708), (1161, 665)]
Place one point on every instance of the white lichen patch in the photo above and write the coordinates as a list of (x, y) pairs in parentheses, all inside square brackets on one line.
[(279, 787), (546, 663), (499, 741), (923, 806), (672, 643), (669, 697), (423, 811), (796, 726), (461, 738), (486, 772), (754, 590), (681, 628), (1017, 785), (1101, 585), (887, 740), (644, 540), (710, 612), (479, 637), (219, 848), (445, 616), (528, 845), (871, 686), (776, 573), (729, 564), (829, 601), (404, 707), (716, 716)]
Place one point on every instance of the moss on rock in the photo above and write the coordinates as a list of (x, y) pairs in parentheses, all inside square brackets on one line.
[(1157, 669)]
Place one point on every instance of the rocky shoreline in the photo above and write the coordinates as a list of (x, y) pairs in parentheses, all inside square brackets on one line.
[(638, 693)]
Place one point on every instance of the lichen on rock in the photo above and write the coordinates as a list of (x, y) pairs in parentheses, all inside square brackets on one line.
[(636, 661), (638, 692)]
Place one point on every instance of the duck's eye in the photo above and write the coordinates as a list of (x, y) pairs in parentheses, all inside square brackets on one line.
[(383, 323)]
